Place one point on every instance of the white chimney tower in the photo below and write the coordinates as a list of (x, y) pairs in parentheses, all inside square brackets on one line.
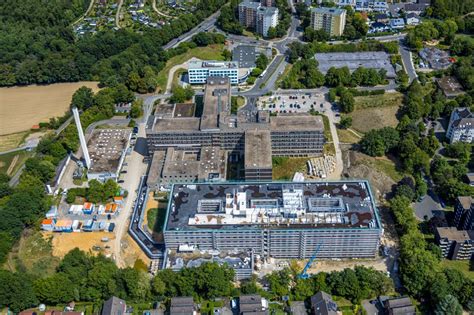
[(82, 139)]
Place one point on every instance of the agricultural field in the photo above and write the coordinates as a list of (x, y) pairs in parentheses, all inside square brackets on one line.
[(211, 52), (23, 107), (375, 111)]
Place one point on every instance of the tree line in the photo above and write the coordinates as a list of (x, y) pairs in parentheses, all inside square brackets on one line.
[(37, 45), (83, 277)]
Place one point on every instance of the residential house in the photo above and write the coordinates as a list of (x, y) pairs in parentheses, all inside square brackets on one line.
[(399, 306), (114, 306), (252, 304), (182, 306), (382, 18), (397, 24), (437, 59), (377, 27), (464, 213), (455, 244), (450, 86), (461, 126), (417, 8), (413, 19), (322, 304)]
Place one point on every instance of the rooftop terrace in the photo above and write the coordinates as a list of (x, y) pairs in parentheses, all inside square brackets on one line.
[(274, 205)]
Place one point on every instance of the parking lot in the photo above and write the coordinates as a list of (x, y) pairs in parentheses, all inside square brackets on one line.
[(293, 103)]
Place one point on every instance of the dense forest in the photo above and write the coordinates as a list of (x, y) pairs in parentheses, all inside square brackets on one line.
[(37, 45)]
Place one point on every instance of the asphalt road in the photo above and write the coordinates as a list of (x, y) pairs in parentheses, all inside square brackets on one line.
[(407, 61), (205, 25)]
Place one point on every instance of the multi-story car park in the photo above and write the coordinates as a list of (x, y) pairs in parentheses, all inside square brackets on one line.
[(275, 219)]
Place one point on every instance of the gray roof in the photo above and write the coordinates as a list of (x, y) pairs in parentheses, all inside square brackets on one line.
[(322, 304), (114, 306), (251, 304), (182, 306), (326, 10), (245, 55), (401, 306)]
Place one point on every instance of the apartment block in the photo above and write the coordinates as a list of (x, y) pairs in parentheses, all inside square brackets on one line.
[(275, 219), (464, 213), (455, 244), (199, 71), (259, 16), (461, 126), (331, 20)]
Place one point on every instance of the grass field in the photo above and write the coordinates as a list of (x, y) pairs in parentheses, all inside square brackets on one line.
[(33, 254), (12, 141), (284, 74), (461, 265), (376, 111), (285, 167), (176, 76), (346, 136), (212, 52), (23, 107), (17, 157)]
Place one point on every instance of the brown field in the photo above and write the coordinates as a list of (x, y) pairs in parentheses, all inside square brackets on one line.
[(373, 118), (64, 242), (23, 107)]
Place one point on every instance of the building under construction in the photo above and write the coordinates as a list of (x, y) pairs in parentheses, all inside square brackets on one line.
[(275, 219)]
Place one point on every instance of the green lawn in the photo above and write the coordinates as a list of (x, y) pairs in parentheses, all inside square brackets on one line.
[(461, 265), (285, 167), (33, 254), (346, 136), (387, 99), (212, 52), (156, 216), (236, 103), (6, 160)]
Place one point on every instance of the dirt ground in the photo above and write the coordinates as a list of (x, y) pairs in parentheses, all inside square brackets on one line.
[(131, 252), (23, 107), (358, 165), (366, 119), (64, 242)]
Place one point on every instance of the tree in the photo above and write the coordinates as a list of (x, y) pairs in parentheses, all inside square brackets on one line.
[(249, 286), (137, 108), (346, 122), (279, 282), (372, 144), (346, 102), (261, 61), (448, 305), (459, 150), (56, 289), (16, 291), (181, 94), (227, 54), (82, 98)]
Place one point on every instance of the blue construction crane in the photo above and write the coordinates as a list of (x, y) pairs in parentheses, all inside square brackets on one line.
[(304, 275)]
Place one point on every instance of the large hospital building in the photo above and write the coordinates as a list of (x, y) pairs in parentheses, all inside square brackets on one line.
[(273, 219), (258, 134)]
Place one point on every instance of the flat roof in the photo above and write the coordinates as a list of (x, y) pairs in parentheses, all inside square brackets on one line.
[(326, 10), (450, 86), (453, 234), (294, 122), (174, 125), (198, 162), (258, 149), (106, 147), (271, 205), (211, 64), (354, 60), (245, 55), (237, 260), (182, 110), (216, 101)]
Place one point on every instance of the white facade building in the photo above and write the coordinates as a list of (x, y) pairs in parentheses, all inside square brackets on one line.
[(266, 17), (198, 71), (461, 126)]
